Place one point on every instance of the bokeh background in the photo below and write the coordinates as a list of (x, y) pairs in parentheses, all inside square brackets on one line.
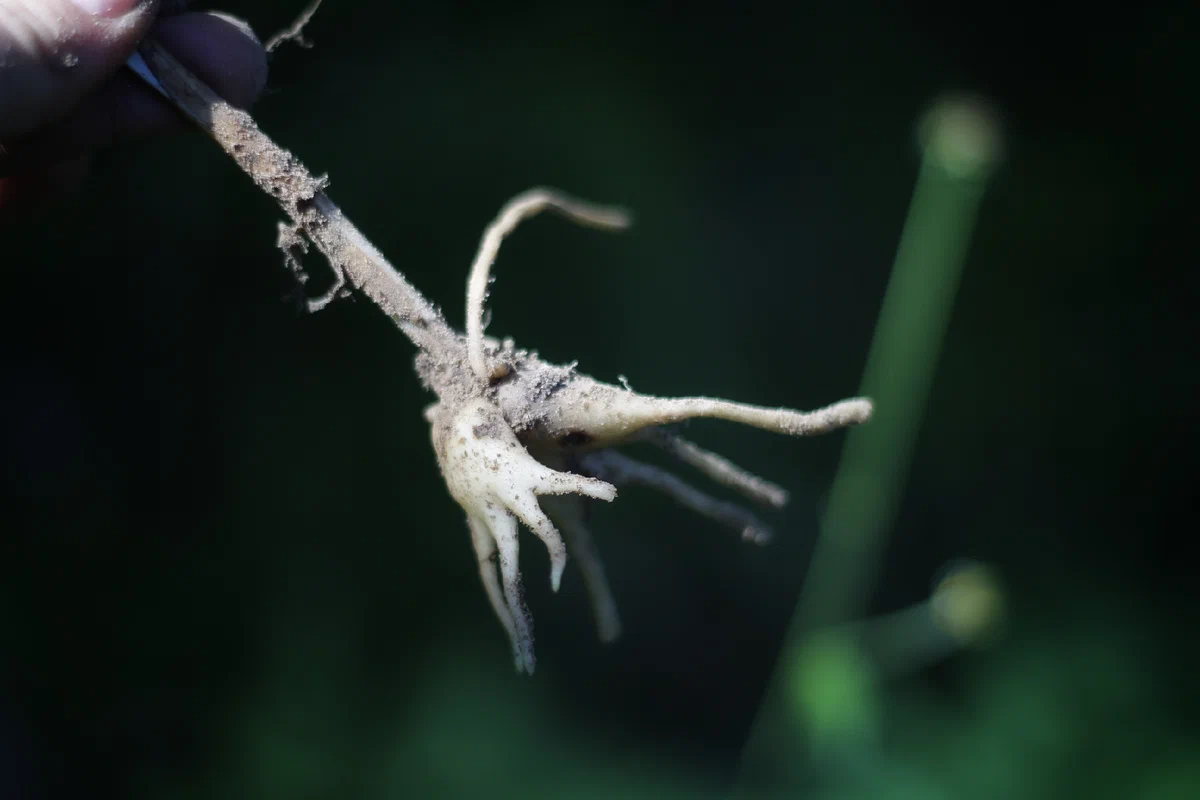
[(229, 567)]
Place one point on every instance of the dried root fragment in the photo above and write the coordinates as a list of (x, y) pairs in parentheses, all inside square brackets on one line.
[(569, 513), (509, 429), (621, 470), (720, 469)]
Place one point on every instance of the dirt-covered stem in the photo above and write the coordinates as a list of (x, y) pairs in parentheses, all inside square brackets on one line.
[(302, 197)]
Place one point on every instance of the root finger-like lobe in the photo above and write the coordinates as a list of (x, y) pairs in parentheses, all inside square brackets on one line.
[(608, 415), (529, 512), (623, 470), (485, 552), (720, 469), (569, 483), (777, 420), (567, 511), (504, 529)]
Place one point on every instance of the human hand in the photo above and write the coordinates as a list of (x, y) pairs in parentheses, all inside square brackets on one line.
[(64, 93)]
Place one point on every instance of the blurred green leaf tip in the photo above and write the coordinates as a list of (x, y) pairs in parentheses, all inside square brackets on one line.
[(835, 689), (962, 135), (968, 603)]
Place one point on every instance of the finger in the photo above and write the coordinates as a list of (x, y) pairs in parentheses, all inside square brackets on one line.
[(221, 50), (56, 51)]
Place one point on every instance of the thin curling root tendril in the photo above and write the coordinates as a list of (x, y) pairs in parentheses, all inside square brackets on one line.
[(520, 208), (518, 440)]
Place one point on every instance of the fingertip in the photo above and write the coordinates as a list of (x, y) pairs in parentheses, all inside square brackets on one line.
[(223, 52), (221, 49), (106, 8), (54, 53)]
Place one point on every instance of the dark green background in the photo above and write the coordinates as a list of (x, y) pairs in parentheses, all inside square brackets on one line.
[(229, 567)]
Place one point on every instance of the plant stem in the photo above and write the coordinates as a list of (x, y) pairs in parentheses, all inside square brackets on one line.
[(301, 196)]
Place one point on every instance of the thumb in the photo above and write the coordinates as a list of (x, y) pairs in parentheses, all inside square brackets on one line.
[(52, 52)]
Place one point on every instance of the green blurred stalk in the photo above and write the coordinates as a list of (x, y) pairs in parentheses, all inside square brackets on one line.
[(960, 143), (900, 369)]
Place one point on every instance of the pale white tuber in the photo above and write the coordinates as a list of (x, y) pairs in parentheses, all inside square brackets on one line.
[(517, 439), (514, 434)]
